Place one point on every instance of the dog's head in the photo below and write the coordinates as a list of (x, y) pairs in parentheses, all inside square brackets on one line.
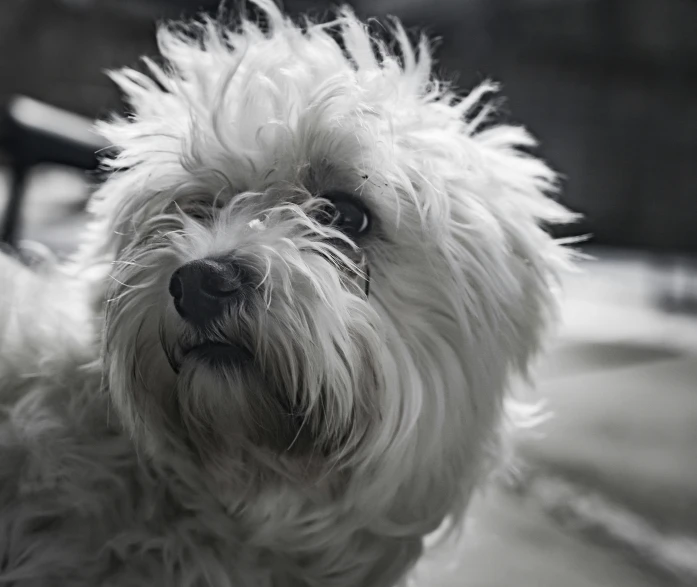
[(322, 265)]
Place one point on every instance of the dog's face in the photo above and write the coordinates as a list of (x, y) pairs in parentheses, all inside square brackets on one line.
[(321, 268)]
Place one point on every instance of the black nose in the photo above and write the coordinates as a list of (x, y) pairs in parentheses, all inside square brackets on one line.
[(202, 290)]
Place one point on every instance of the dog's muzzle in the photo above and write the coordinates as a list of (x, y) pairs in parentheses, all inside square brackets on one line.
[(203, 290)]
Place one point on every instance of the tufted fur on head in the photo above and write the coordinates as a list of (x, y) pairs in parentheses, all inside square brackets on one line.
[(339, 393)]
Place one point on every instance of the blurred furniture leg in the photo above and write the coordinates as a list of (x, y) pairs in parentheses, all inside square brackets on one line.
[(35, 133), (10, 223)]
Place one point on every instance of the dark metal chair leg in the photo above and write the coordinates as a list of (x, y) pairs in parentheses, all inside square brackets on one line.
[(12, 219), (34, 133)]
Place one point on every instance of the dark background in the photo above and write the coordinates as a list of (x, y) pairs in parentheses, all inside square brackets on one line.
[(607, 85)]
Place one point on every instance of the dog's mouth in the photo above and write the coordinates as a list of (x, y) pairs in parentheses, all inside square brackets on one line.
[(219, 354)]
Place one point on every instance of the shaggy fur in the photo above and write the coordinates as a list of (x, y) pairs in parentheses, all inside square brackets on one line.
[(360, 401)]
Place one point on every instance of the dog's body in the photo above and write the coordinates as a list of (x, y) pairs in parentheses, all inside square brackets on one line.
[(281, 355)]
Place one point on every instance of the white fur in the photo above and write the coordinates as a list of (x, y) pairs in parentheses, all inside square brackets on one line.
[(400, 393)]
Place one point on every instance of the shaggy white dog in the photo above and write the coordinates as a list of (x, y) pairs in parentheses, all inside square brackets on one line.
[(280, 357)]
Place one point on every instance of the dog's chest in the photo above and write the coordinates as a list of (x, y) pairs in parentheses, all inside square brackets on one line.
[(79, 507)]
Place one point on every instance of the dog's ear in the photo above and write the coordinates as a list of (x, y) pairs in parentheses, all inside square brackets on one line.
[(502, 204), (490, 198)]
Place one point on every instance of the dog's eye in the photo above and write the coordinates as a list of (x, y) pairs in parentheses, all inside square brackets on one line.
[(202, 210), (345, 213), (200, 214)]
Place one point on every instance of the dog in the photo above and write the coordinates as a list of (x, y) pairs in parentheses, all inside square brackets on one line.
[(281, 354)]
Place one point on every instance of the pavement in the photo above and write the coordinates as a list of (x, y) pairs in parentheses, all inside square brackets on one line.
[(605, 490)]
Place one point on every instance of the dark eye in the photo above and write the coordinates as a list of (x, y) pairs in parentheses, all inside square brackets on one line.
[(345, 213), (202, 210), (200, 214)]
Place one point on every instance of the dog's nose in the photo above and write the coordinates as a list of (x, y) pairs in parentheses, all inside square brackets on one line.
[(203, 289)]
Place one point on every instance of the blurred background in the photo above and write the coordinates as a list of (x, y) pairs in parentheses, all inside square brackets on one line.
[(605, 492)]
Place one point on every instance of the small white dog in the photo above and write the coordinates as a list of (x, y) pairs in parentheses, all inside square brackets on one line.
[(281, 355)]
